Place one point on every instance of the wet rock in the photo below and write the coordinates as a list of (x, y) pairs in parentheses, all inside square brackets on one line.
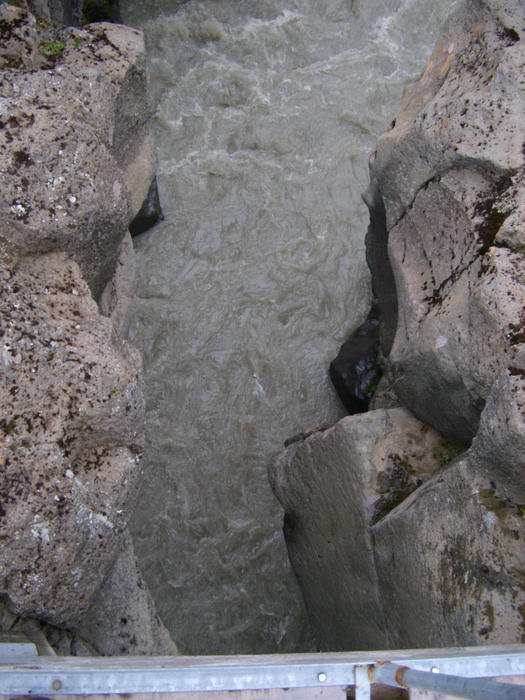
[(71, 432), (355, 372)]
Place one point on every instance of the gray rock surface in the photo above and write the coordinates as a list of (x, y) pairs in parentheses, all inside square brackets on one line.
[(334, 486), (71, 433), (122, 618), (116, 298), (448, 174), (76, 161), (443, 564), (76, 150), (456, 548)]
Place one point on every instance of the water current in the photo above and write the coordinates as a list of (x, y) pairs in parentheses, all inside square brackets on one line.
[(267, 111)]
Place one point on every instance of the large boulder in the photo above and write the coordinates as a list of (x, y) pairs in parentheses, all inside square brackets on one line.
[(442, 563), (76, 149), (448, 177), (71, 433), (334, 486), (398, 542)]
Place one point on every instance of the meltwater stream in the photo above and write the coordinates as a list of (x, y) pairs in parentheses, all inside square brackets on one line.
[(267, 111)]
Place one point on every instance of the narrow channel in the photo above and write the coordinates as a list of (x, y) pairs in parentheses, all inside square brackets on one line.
[(267, 111)]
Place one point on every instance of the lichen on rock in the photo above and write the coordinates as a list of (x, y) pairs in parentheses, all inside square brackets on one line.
[(76, 161), (76, 149), (440, 562), (71, 436)]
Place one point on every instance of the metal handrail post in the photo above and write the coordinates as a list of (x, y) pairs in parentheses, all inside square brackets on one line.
[(457, 686), (363, 687)]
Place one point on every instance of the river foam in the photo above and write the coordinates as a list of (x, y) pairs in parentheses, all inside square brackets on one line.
[(267, 111)]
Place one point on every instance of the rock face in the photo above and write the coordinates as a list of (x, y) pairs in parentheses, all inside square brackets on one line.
[(76, 149), (72, 393), (333, 486), (449, 176), (76, 161), (446, 248), (122, 616)]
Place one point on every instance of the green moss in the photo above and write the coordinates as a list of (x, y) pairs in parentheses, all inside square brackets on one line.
[(372, 385), (492, 503), (51, 48), (447, 457)]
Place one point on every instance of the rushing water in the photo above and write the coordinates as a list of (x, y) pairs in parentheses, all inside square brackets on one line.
[(267, 112)]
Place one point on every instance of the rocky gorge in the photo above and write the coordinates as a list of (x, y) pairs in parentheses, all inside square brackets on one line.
[(405, 523)]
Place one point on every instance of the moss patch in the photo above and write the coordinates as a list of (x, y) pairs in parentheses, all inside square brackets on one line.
[(51, 49)]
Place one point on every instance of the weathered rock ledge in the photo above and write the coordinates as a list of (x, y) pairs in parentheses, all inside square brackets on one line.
[(76, 162), (405, 524)]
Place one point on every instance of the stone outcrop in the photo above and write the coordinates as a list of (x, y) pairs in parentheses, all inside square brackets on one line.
[(76, 146), (444, 565), (333, 486), (72, 431), (122, 615), (76, 161)]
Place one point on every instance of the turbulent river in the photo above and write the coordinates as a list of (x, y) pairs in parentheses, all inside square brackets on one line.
[(267, 111)]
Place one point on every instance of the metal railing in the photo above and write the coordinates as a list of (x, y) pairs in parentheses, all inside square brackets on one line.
[(456, 672)]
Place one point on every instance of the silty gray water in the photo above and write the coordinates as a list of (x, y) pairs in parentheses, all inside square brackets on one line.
[(267, 112)]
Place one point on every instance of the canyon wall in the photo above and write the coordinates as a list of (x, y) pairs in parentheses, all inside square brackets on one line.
[(76, 162), (405, 524)]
